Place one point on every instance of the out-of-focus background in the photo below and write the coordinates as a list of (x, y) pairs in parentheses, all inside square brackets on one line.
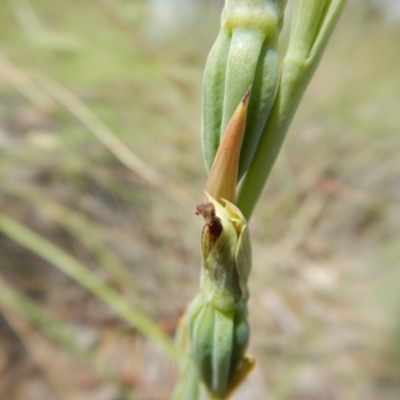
[(100, 155)]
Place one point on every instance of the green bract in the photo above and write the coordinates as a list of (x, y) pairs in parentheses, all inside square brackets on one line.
[(312, 24), (244, 54)]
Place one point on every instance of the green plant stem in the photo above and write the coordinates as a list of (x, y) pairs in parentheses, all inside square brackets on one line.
[(75, 270), (297, 70)]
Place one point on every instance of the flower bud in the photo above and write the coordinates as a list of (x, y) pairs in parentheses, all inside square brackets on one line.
[(217, 318), (226, 254)]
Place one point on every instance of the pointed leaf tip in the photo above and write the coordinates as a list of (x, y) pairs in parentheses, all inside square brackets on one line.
[(223, 176)]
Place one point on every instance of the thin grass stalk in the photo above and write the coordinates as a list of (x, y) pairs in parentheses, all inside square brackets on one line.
[(77, 271), (111, 141), (80, 227)]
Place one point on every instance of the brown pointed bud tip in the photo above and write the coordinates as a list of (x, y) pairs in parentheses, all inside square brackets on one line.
[(247, 365), (246, 95), (213, 227), (223, 176)]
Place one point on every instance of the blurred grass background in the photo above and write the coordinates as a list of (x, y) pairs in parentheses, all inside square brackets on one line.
[(100, 155)]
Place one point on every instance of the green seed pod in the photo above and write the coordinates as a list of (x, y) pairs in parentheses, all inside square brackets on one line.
[(192, 384), (244, 54), (211, 334), (217, 318), (218, 342)]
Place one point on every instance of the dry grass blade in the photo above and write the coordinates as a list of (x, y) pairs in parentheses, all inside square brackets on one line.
[(25, 85), (25, 16), (77, 271), (35, 93), (80, 227), (120, 150)]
